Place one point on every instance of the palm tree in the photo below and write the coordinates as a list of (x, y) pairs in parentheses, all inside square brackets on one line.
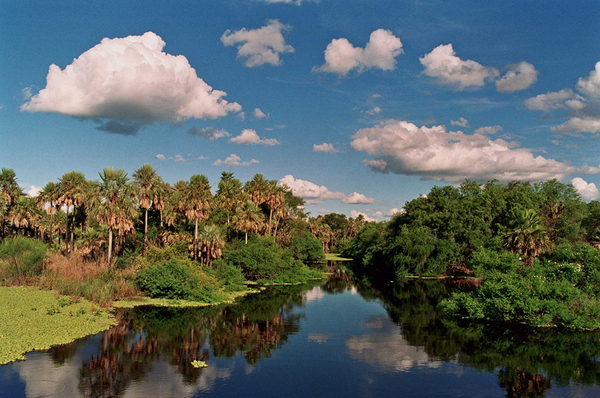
[(162, 194), (47, 201), (257, 188), (275, 199), (9, 191), (193, 200), (528, 236), (72, 188), (113, 203), (211, 243), (248, 218), (146, 183), (229, 194), (22, 213)]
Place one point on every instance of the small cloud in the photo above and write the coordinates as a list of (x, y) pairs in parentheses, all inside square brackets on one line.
[(208, 132), (249, 136), (374, 111), (462, 122), (33, 191), (325, 211), (277, 127), (202, 158), (160, 156), (234, 160), (324, 147), (378, 214), (381, 51), (355, 214), (489, 130), (179, 158), (395, 210), (313, 202), (358, 198), (241, 115), (519, 77), (258, 114), (375, 96), (259, 46), (26, 93)]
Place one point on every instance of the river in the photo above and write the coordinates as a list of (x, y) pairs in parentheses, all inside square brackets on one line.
[(334, 339)]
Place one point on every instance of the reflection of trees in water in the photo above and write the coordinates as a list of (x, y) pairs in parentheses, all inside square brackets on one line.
[(256, 326), (528, 358)]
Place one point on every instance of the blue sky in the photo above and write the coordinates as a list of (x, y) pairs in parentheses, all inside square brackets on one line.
[(381, 82)]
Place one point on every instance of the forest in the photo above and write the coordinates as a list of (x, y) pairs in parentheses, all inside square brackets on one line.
[(119, 237)]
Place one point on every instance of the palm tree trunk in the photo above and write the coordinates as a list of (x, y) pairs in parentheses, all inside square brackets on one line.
[(270, 218), (73, 231), (161, 220), (246, 237), (196, 240), (110, 239), (146, 229), (67, 230), (51, 220)]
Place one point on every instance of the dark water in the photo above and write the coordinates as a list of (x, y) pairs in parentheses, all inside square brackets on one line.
[(338, 339)]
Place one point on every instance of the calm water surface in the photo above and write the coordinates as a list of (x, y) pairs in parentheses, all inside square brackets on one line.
[(337, 339)]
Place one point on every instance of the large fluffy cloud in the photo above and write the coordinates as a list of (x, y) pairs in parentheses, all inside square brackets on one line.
[(127, 83), (309, 190), (519, 77), (588, 191), (259, 46), (443, 64), (381, 51), (591, 85), (249, 136), (433, 153)]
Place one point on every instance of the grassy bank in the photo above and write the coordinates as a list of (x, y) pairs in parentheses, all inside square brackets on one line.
[(33, 319), (335, 257)]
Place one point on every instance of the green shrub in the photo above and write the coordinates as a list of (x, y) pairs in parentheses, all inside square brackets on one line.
[(307, 248), (177, 279), (262, 259), (230, 277), (21, 258)]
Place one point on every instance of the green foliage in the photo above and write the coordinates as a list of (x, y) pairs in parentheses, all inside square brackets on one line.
[(262, 259), (21, 258), (177, 279), (230, 277), (306, 248), (559, 290)]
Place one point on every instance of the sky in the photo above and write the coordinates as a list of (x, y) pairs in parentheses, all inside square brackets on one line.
[(357, 105)]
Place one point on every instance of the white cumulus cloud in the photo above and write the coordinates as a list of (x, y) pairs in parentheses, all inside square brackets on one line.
[(433, 153), (356, 213), (33, 191), (376, 110), (552, 100), (308, 190), (325, 147), (259, 46), (519, 77), (395, 210), (160, 156), (591, 85), (358, 198), (448, 69), (588, 191), (234, 160), (249, 136), (127, 83), (258, 114), (381, 51), (462, 122)]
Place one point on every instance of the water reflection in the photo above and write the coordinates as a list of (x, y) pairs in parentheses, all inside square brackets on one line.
[(356, 339)]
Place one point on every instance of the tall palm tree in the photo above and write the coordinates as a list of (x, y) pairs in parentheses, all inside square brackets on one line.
[(211, 243), (193, 199), (9, 193), (528, 236), (72, 188), (257, 189), (162, 195), (146, 182), (47, 201), (22, 212), (248, 218), (113, 203), (275, 198), (229, 194)]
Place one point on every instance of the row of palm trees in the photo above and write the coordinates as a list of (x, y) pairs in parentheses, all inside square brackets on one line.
[(114, 203)]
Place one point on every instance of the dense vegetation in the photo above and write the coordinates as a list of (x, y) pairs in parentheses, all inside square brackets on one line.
[(117, 237), (533, 246)]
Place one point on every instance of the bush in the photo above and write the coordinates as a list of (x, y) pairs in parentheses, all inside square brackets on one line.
[(22, 259), (306, 248), (230, 277), (262, 259), (177, 279)]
